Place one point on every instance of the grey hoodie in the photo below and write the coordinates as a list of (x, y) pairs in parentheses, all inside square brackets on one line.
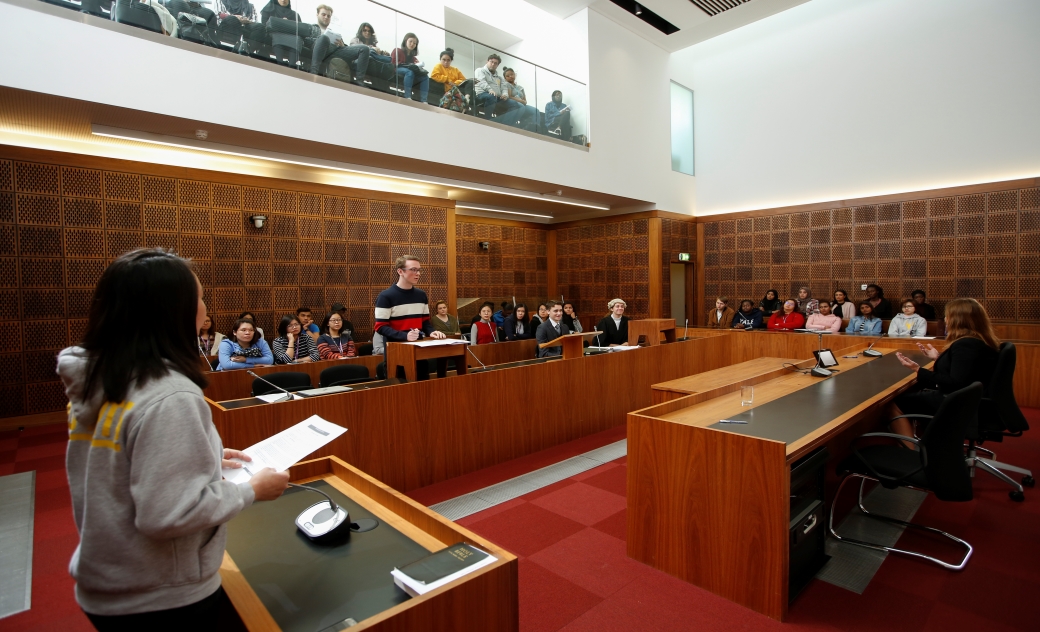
[(147, 495)]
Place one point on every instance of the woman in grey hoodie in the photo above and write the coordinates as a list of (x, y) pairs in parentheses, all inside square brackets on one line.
[(907, 323), (144, 459)]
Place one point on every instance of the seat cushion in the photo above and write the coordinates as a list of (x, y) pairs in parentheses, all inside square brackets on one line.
[(888, 460)]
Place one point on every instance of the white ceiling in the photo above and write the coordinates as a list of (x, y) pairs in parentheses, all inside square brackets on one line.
[(695, 25)]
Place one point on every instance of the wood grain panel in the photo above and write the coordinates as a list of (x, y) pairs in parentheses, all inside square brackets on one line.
[(503, 352)]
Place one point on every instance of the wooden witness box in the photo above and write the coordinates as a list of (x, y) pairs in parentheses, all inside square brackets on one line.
[(573, 344), (406, 354), (487, 599), (651, 329)]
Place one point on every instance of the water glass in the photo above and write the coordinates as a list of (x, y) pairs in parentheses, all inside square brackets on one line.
[(747, 395)]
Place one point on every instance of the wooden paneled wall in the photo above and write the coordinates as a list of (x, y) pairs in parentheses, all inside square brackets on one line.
[(676, 236), (515, 263), (982, 242), (64, 217)]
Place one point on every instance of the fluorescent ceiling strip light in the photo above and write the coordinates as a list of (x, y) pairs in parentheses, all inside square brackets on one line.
[(232, 150), (490, 209)]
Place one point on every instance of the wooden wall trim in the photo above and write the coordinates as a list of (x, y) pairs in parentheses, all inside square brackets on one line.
[(698, 275), (608, 219), (656, 268), (28, 154), (989, 187), (476, 219), (551, 285), (453, 285)]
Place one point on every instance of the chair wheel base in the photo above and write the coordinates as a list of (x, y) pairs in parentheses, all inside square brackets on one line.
[(1016, 495), (1028, 481)]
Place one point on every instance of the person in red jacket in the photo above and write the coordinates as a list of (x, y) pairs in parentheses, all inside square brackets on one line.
[(788, 318)]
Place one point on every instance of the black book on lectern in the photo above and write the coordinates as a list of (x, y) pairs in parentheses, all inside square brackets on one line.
[(443, 563)]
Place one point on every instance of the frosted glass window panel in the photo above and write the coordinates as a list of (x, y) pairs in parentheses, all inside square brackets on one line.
[(682, 129)]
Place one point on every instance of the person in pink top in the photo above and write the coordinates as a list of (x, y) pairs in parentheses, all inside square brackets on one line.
[(824, 320)]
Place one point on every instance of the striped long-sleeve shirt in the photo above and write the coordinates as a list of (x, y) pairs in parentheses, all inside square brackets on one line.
[(303, 347), (399, 311)]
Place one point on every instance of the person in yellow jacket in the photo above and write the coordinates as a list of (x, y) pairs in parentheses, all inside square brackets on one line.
[(449, 75)]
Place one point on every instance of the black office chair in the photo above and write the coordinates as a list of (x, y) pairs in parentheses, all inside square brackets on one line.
[(937, 466), (999, 417), (343, 374), (136, 14), (291, 381)]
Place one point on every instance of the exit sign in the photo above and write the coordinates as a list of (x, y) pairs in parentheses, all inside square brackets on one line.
[(684, 256)]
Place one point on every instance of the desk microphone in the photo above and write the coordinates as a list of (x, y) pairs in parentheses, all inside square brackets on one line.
[(323, 521), (288, 394), (470, 351), (599, 343), (870, 350)]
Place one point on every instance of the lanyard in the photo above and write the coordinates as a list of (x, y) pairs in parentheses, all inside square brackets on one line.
[(206, 344), (339, 343)]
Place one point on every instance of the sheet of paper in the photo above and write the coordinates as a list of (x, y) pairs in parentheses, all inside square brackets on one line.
[(437, 343), (286, 448), (273, 397), (923, 337), (623, 348)]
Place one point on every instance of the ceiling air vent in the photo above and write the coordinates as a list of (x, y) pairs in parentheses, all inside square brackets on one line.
[(715, 7)]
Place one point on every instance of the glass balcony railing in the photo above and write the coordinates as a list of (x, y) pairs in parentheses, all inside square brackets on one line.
[(375, 47)]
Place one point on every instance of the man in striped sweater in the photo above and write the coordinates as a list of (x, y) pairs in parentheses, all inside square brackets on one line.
[(403, 311)]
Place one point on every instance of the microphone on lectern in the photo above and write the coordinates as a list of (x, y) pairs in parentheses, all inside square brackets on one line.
[(323, 521), (269, 383)]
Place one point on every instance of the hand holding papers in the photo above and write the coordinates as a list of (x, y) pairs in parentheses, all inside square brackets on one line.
[(285, 448)]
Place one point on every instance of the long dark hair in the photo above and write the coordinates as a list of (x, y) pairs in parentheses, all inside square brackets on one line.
[(124, 347), (283, 326), (527, 314), (368, 41), (404, 45)]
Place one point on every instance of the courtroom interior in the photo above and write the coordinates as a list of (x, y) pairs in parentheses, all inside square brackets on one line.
[(525, 315)]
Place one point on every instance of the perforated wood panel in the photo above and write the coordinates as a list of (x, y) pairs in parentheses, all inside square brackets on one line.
[(681, 236), (986, 246), (515, 263), (61, 225)]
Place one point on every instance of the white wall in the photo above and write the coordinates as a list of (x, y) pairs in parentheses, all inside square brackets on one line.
[(629, 156), (845, 98)]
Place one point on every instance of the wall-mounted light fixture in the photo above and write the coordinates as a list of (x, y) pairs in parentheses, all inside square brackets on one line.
[(258, 220)]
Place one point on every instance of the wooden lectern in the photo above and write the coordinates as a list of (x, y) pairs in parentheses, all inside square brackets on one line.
[(406, 354), (651, 328), (571, 343)]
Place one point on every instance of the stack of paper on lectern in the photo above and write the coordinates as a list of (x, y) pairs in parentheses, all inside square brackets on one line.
[(433, 342), (440, 568), (617, 348), (285, 449)]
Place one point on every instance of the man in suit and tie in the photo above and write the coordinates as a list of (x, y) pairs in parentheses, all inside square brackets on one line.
[(552, 329)]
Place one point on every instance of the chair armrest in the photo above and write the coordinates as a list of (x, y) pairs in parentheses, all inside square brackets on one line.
[(913, 416)]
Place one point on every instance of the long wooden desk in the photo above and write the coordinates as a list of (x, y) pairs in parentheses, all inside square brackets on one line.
[(710, 380), (276, 580), (709, 502)]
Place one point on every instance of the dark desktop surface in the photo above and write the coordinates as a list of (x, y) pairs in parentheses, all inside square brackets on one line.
[(804, 411), (361, 386), (308, 587)]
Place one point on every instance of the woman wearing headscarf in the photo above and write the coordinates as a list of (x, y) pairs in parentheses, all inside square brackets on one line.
[(769, 303), (807, 305), (285, 46)]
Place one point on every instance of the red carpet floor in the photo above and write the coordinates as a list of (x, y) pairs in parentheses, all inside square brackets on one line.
[(574, 575)]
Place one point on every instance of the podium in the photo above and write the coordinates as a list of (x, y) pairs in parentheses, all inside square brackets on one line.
[(406, 354), (571, 343), (278, 580), (651, 328)]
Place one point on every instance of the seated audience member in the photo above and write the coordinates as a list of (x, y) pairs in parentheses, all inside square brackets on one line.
[(238, 21), (921, 308), (614, 326), (841, 306), (307, 322), (484, 331), (865, 323), (570, 318), (749, 316), (209, 338), (876, 298), (330, 44), (451, 76), (788, 318), (366, 36), (285, 46), (824, 320), (970, 356), (770, 303), (409, 68), (517, 326), (807, 305), (177, 7), (245, 348), (518, 113), (444, 322), (293, 346), (335, 342), (551, 330), (500, 316), (476, 317), (539, 318), (558, 116), (489, 86), (249, 316), (907, 324), (721, 317), (167, 19), (348, 327)]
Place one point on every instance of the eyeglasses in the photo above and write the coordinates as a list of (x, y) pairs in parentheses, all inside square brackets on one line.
[(416, 270)]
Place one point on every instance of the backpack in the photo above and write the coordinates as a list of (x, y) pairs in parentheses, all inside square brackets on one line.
[(452, 100)]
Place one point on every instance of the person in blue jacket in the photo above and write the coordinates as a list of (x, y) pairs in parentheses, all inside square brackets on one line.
[(244, 349), (748, 317), (865, 323)]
